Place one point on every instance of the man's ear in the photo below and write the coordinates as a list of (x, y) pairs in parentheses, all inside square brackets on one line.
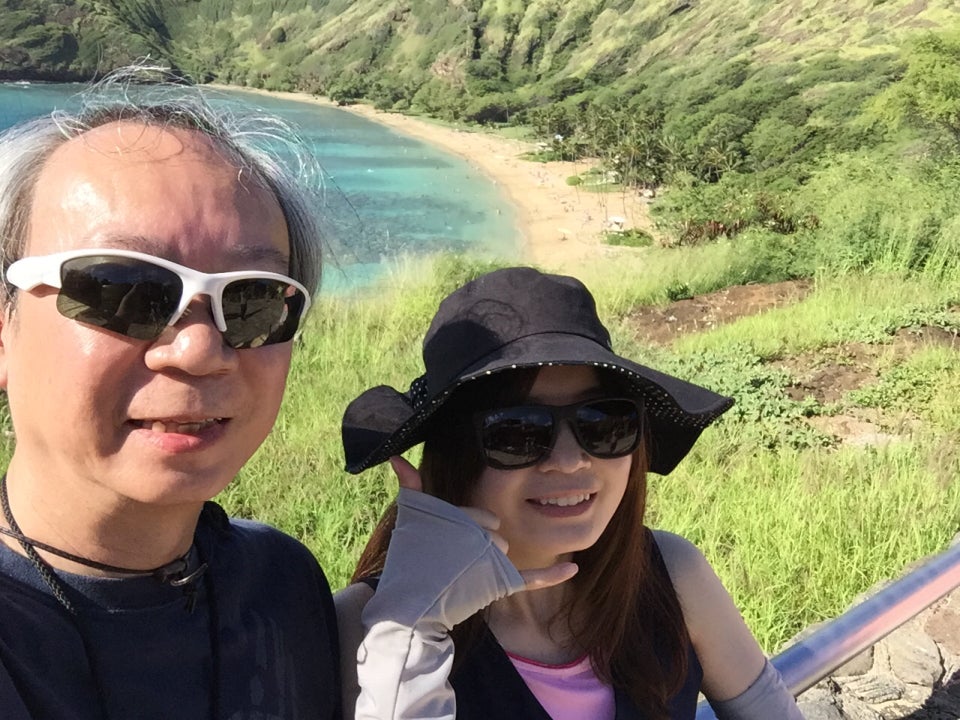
[(6, 328)]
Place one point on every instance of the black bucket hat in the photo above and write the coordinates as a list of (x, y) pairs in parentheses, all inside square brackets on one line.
[(515, 318)]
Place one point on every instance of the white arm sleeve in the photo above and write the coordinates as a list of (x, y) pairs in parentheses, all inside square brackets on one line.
[(441, 568), (766, 698)]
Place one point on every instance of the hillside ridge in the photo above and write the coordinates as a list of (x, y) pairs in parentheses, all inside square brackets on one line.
[(303, 45)]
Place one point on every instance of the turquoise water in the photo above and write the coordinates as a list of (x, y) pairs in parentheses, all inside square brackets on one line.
[(386, 195)]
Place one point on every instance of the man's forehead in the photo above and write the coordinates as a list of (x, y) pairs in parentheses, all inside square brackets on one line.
[(130, 140), (131, 185)]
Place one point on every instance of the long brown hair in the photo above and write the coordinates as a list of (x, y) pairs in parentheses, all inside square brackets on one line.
[(624, 614)]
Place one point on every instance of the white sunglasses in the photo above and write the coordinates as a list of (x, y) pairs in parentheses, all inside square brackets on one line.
[(138, 295)]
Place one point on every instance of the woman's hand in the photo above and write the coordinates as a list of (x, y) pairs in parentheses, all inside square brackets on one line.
[(409, 477), (444, 564)]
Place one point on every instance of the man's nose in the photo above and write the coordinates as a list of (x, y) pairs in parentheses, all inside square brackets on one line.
[(193, 344)]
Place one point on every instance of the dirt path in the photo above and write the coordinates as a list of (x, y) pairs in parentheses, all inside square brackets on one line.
[(824, 376)]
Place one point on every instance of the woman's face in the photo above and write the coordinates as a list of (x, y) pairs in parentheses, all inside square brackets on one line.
[(564, 502)]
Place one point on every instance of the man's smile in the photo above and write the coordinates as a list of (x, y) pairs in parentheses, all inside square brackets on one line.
[(181, 427)]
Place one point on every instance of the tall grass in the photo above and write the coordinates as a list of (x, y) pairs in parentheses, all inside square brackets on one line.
[(796, 535), (881, 213)]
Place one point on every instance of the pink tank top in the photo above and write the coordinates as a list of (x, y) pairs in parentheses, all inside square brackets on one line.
[(567, 692)]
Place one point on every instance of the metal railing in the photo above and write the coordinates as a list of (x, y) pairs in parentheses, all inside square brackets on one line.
[(813, 658)]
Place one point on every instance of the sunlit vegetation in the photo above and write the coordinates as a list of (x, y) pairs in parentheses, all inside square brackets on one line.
[(780, 139)]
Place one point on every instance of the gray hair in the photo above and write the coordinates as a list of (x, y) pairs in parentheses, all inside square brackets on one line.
[(254, 141)]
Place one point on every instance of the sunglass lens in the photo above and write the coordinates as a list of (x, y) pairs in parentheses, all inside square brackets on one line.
[(261, 312), (515, 437), (125, 295), (608, 428)]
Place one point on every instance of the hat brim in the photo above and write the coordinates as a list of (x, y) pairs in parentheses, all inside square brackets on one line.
[(383, 422)]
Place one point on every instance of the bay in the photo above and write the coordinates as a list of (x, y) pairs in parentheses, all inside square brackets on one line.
[(385, 194)]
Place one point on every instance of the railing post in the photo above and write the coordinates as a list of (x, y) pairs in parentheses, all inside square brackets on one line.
[(813, 658)]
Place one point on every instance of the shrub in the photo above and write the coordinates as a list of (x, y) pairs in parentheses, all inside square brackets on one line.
[(49, 44), (496, 108), (773, 142), (929, 92), (678, 290), (348, 89), (553, 120), (632, 237), (439, 98), (725, 129), (565, 87), (13, 21), (387, 92)]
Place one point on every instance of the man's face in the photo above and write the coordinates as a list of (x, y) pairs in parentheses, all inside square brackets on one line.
[(110, 418)]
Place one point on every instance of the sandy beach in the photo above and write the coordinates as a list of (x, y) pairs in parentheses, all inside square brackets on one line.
[(561, 225)]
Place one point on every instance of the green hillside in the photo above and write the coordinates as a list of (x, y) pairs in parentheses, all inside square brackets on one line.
[(61, 41), (521, 45)]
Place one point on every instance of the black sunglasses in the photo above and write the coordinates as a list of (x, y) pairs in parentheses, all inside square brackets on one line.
[(521, 436), (138, 295)]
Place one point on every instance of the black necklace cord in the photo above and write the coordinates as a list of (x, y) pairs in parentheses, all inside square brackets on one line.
[(56, 587), (43, 568), (173, 573)]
